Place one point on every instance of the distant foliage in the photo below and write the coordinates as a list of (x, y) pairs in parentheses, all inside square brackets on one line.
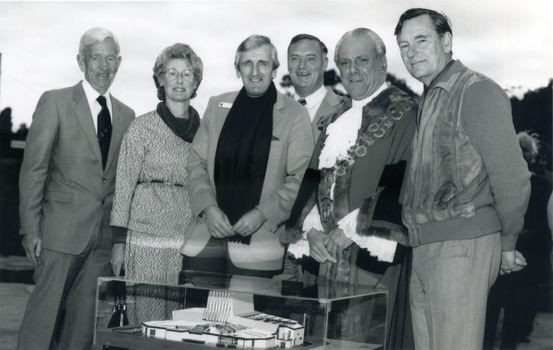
[(6, 121), (400, 84), (534, 112), (286, 81)]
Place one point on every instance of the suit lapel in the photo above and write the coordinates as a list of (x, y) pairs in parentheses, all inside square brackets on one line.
[(328, 106), (277, 114), (83, 115), (222, 112)]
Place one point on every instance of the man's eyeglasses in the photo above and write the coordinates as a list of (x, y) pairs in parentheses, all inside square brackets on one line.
[(173, 74)]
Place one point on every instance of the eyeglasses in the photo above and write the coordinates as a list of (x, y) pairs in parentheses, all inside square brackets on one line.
[(173, 74)]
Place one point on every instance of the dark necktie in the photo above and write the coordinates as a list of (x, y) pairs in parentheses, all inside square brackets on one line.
[(302, 101), (104, 129)]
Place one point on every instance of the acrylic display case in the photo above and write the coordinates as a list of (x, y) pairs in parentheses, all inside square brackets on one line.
[(197, 310)]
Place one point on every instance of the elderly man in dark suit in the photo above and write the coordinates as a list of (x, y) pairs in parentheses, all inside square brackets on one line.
[(66, 188)]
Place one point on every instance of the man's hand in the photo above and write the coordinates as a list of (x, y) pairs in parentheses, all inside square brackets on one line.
[(117, 258), (317, 249), (336, 241), (217, 222), (511, 261), (33, 246), (249, 222)]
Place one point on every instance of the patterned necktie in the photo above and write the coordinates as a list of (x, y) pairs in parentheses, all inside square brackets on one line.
[(302, 101), (104, 129)]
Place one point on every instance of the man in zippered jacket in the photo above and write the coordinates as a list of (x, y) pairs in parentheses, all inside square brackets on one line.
[(467, 188)]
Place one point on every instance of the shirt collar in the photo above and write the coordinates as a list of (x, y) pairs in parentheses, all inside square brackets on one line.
[(314, 98), (92, 95), (443, 80), (365, 101)]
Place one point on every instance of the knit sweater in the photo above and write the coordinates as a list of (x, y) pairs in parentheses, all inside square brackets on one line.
[(151, 190)]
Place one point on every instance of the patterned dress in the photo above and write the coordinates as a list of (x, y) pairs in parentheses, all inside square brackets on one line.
[(151, 200)]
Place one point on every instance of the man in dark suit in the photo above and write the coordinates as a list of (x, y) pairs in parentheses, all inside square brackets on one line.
[(66, 187), (307, 62)]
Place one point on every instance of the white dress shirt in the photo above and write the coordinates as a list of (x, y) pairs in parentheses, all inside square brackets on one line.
[(95, 107), (313, 101)]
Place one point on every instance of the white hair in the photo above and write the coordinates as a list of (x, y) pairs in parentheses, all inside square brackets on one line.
[(96, 35), (379, 46)]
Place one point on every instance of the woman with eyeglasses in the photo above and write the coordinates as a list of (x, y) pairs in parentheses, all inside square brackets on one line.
[(151, 208)]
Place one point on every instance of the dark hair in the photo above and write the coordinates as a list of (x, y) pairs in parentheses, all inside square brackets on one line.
[(177, 51), (301, 37), (544, 155), (441, 23), (253, 42)]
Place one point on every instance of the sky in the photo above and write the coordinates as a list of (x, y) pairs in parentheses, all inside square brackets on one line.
[(510, 41)]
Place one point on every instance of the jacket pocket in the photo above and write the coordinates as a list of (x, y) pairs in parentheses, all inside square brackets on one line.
[(58, 196), (445, 195)]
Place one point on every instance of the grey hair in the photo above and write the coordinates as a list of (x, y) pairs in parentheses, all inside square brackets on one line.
[(96, 35), (177, 51), (379, 46), (253, 42)]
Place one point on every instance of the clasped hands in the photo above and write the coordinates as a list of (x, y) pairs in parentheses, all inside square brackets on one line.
[(325, 247), (219, 226)]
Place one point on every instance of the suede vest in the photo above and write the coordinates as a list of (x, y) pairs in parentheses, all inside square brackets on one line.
[(447, 174)]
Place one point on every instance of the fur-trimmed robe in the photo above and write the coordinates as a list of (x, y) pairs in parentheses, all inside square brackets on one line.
[(379, 171), (372, 184)]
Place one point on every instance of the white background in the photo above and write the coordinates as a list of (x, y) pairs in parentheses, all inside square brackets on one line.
[(511, 41)]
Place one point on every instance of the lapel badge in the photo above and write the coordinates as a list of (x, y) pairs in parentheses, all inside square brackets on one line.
[(225, 105)]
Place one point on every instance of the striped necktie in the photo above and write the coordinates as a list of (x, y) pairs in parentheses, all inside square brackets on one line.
[(104, 129)]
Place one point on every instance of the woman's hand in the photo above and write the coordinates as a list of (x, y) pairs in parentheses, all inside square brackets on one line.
[(117, 258)]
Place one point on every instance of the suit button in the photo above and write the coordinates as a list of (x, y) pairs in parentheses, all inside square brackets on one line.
[(104, 180)]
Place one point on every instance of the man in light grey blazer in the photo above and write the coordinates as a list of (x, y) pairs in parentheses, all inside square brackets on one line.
[(307, 62), (66, 188), (245, 167)]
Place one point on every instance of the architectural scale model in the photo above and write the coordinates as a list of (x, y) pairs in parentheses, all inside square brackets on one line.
[(228, 320)]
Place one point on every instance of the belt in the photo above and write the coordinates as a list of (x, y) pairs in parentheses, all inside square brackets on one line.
[(161, 182)]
